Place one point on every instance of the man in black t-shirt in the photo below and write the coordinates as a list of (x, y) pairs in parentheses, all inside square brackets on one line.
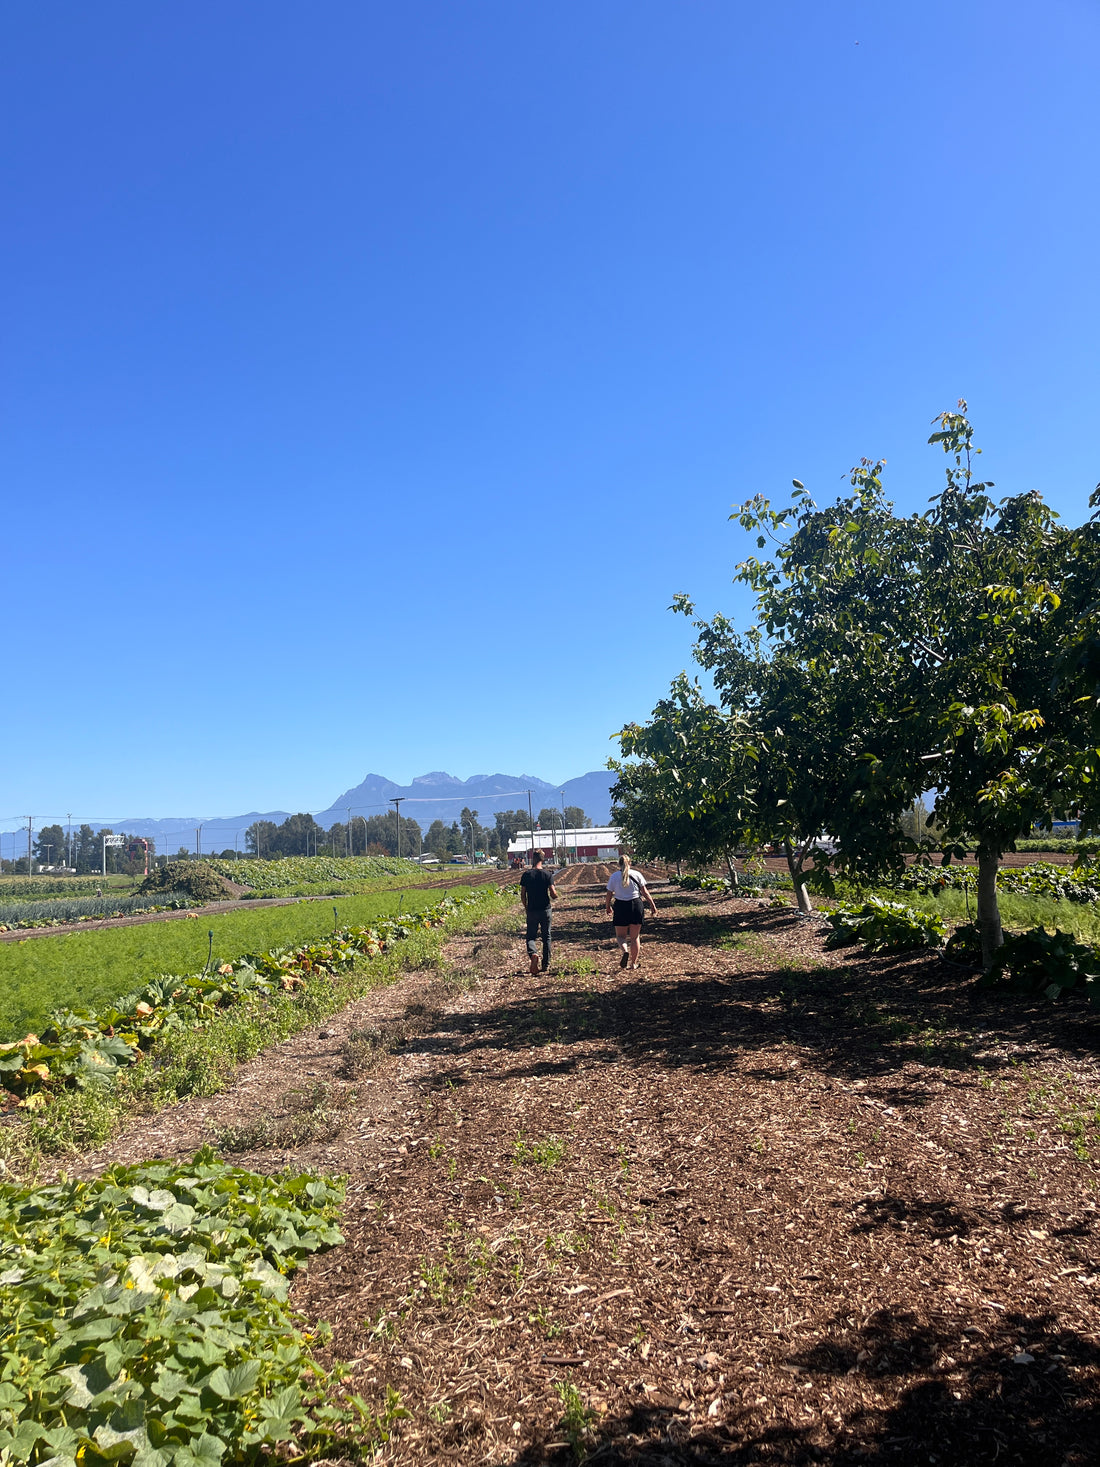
[(536, 892)]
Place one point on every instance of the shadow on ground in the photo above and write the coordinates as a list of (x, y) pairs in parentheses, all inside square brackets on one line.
[(1034, 1406), (866, 1019)]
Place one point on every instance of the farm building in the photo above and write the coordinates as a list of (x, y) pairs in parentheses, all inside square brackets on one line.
[(599, 843)]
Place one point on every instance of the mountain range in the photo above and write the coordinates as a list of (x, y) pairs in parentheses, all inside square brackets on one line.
[(433, 796)]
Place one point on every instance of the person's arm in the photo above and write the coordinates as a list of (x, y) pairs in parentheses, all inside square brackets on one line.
[(523, 893), (649, 899), (607, 900), (553, 893)]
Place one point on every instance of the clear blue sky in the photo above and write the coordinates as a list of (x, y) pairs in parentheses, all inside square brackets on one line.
[(330, 330)]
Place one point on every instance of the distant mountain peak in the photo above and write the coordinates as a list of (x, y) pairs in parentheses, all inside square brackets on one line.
[(436, 778)]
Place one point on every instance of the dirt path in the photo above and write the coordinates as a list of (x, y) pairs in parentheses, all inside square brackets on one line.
[(755, 1203)]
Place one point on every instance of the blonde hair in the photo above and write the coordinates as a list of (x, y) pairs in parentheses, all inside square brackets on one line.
[(624, 866)]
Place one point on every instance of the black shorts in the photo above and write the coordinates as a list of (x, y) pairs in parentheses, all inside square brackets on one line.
[(626, 914)]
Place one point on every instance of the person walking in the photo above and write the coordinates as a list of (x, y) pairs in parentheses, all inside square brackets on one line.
[(624, 897), (536, 892)]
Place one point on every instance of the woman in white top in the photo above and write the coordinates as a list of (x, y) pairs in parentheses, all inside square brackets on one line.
[(624, 896)]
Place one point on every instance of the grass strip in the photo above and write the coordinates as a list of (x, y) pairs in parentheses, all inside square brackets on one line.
[(145, 1320), (1019, 912), (91, 969)]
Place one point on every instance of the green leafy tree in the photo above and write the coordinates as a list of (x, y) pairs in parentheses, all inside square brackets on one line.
[(685, 788), (936, 648), (261, 839), (49, 848), (508, 825), (381, 831), (84, 845), (297, 836)]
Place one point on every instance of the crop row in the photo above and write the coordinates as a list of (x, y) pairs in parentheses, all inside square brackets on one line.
[(307, 870), (85, 909), (146, 1320), (90, 1048), (1080, 883), (17, 888)]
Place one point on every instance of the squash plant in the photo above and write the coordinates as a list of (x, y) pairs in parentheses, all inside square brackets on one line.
[(90, 1048), (884, 926), (144, 1319)]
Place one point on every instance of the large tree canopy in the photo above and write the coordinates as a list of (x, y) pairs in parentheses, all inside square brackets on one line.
[(956, 649)]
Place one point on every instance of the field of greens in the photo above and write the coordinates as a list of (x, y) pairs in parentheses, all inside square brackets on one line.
[(36, 888), (58, 911), (90, 969), (320, 875)]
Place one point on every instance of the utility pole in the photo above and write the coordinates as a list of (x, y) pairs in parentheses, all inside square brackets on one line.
[(349, 835), (397, 806), (562, 793), (531, 847), (69, 840), (198, 840), (30, 827)]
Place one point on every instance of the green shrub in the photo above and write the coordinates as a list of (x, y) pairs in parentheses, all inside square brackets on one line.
[(1045, 961), (195, 878), (146, 1319), (695, 882), (884, 927)]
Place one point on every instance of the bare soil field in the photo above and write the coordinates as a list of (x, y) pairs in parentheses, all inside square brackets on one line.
[(757, 1202)]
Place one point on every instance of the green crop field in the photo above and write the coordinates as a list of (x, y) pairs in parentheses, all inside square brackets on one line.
[(90, 969), (42, 888), (288, 872)]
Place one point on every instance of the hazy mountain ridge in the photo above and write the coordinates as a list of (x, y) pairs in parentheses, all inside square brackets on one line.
[(433, 796)]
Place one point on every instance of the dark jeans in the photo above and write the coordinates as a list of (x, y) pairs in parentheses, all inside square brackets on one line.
[(538, 920)]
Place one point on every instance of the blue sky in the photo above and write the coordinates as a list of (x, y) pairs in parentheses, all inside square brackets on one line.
[(333, 332)]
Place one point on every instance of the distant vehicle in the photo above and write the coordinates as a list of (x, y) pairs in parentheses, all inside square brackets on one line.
[(459, 861), (425, 860)]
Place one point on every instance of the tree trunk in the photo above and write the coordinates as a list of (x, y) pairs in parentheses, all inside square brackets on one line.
[(794, 866), (989, 913), (732, 870)]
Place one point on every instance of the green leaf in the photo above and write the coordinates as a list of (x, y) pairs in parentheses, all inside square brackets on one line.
[(231, 1384)]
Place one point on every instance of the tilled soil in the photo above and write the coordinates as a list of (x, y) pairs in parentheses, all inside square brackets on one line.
[(755, 1202)]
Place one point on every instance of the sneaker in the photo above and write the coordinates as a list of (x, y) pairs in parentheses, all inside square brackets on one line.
[(545, 964), (534, 965), (624, 960)]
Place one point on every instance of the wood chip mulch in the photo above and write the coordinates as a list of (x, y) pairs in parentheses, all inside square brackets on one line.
[(755, 1202)]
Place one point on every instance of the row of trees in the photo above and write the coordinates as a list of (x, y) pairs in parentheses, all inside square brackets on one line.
[(954, 651), (301, 835), (81, 849)]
